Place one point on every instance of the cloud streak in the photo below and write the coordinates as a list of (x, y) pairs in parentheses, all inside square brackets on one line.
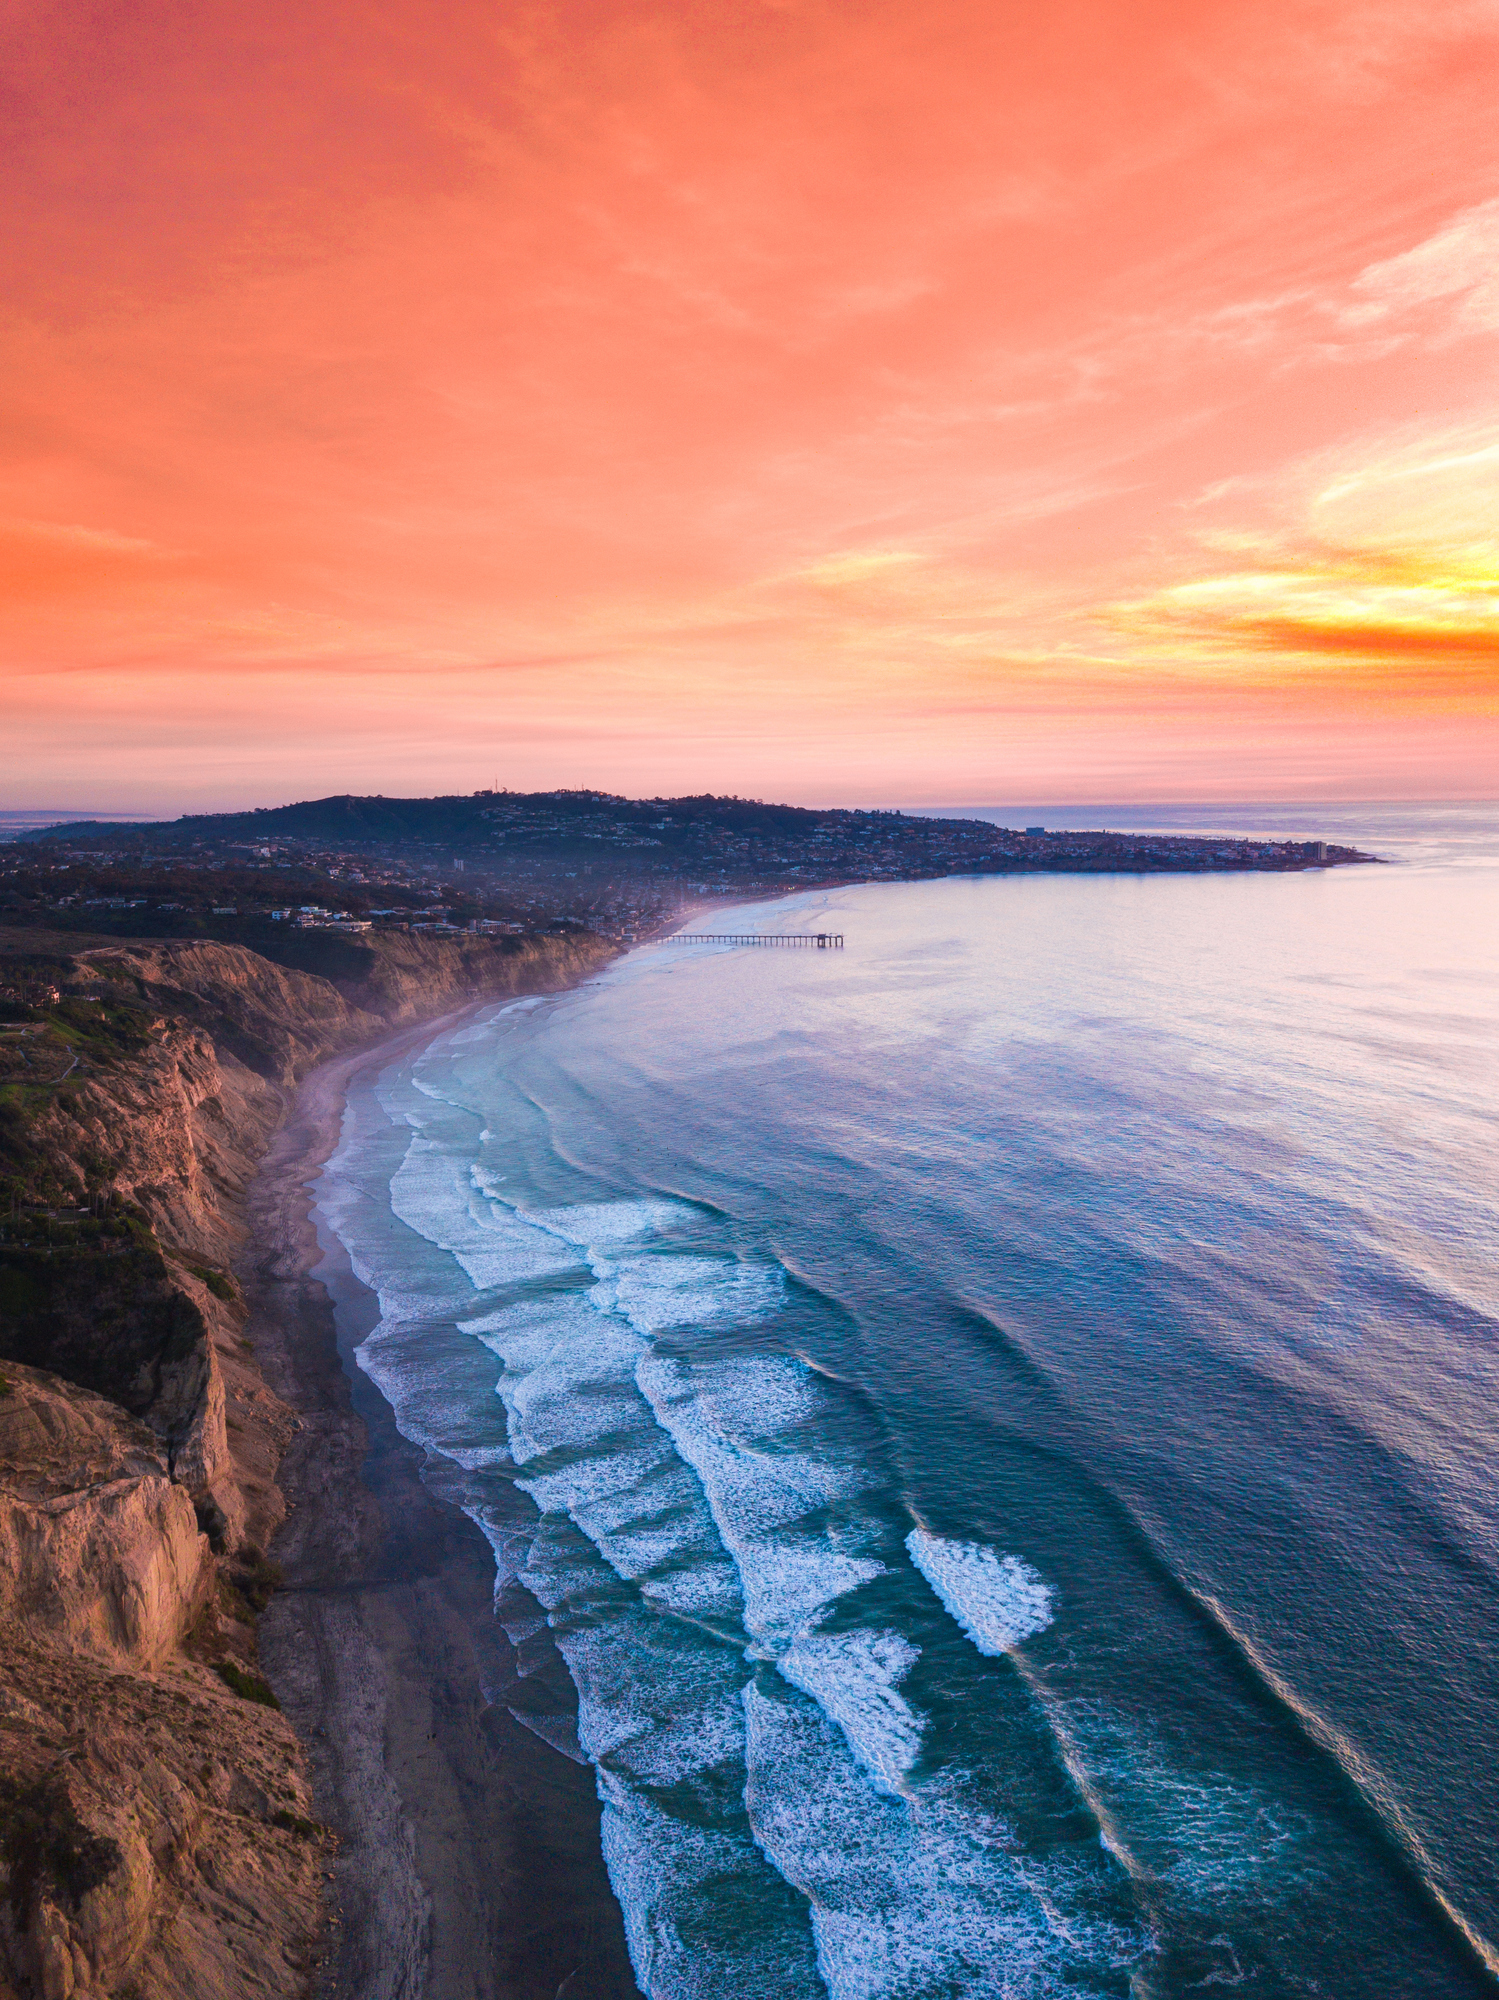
[(607, 382)]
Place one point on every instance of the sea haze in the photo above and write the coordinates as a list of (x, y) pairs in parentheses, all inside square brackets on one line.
[(999, 1421)]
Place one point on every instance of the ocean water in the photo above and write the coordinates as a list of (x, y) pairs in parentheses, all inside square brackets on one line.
[(999, 1421)]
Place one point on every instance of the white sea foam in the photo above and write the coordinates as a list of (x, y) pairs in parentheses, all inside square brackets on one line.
[(652, 1714), (428, 1376), (659, 1707), (665, 1876), (773, 1506), (759, 1492), (509, 1540), (711, 1490), (658, 1703), (605, 1225), (782, 1515), (361, 1219), (433, 1192), (852, 1676), (659, 1289), (656, 1700), (714, 1490), (904, 1898), (658, 1293), (588, 1444), (998, 1600)]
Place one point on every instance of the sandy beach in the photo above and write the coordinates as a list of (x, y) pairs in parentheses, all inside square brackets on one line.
[(469, 1865)]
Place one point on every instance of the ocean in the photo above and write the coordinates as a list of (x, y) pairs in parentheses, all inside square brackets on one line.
[(999, 1420)]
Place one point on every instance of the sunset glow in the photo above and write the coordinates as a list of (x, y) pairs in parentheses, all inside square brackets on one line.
[(941, 404)]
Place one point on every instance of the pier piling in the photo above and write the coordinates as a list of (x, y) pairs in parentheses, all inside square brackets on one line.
[(821, 940)]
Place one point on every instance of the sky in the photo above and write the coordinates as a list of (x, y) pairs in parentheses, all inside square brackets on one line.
[(888, 403)]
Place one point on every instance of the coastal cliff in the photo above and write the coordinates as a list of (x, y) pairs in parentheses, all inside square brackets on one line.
[(156, 1835)]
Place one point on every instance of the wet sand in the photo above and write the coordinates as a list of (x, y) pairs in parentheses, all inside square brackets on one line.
[(469, 1866)]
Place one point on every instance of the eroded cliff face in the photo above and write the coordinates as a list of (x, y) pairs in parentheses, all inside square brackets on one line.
[(155, 1837), (154, 1827), (175, 1133), (100, 1549)]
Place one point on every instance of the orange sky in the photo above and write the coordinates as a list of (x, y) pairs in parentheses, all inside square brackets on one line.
[(951, 402)]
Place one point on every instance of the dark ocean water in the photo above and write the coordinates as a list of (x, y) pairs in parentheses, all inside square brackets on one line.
[(1000, 1420)]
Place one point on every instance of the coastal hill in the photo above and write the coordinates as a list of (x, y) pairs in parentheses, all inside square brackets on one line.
[(522, 861)]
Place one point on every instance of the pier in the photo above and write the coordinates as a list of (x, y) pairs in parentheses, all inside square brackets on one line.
[(822, 940)]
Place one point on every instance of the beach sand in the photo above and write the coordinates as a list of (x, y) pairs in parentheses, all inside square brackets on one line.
[(469, 1865)]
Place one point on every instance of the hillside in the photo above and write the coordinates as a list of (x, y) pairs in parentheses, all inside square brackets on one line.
[(519, 863), (470, 819)]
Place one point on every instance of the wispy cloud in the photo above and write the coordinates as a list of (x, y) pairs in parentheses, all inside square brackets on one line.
[(61, 561), (746, 379), (1457, 267), (1382, 569), (1351, 606)]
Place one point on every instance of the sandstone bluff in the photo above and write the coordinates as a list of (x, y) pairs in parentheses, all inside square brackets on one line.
[(158, 1839)]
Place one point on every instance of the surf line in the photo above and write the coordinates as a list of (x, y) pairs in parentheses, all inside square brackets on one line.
[(1361, 1774)]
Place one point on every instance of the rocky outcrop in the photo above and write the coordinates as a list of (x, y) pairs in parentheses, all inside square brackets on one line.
[(120, 1319), (155, 1830), (154, 1833), (323, 992), (100, 1550), (154, 1827), (407, 976)]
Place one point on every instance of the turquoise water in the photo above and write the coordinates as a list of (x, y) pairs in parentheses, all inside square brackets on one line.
[(999, 1421)]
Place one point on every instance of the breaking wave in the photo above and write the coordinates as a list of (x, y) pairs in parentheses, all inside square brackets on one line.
[(703, 1519), (998, 1600)]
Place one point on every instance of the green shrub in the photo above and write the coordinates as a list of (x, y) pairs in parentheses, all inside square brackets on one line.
[(218, 1282), (248, 1686), (16, 1146)]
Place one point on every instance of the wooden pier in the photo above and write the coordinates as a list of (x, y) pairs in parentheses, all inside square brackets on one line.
[(821, 940)]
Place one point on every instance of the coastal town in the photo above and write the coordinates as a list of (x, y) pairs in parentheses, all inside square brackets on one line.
[(514, 863)]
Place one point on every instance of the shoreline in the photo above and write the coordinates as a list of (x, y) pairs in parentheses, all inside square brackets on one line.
[(469, 1864)]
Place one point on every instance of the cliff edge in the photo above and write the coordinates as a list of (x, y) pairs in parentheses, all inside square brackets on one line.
[(155, 1829)]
